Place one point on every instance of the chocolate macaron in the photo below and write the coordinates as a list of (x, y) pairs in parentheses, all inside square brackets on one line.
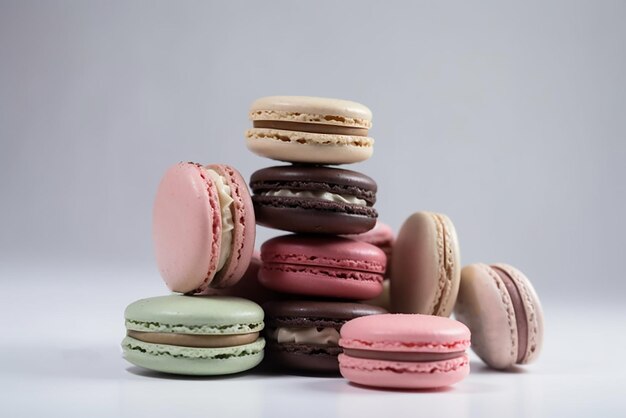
[(304, 335), (314, 199)]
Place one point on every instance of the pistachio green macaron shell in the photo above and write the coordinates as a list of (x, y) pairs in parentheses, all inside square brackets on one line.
[(203, 315), (191, 360), (196, 315)]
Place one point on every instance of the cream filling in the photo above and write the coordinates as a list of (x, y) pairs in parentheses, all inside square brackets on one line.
[(223, 191), (331, 197), (324, 336)]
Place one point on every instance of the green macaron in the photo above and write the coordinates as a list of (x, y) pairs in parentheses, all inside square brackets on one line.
[(194, 335)]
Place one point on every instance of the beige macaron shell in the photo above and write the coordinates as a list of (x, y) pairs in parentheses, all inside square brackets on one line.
[(485, 306), (306, 147), (425, 265), (311, 110), (534, 312)]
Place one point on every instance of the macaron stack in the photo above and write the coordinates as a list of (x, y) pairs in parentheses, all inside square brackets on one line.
[(318, 203), (313, 282), (203, 231)]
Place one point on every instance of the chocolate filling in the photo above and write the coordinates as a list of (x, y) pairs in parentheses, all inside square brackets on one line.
[(188, 340), (400, 356), (520, 312), (315, 128)]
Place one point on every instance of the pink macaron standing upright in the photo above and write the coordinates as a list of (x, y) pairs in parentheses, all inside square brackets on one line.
[(409, 351), (327, 266), (203, 227)]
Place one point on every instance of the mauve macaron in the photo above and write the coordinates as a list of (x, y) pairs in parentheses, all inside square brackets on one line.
[(405, 351), (501, 308), (426, 266), (314, 199), (317, 265), (203, 227)]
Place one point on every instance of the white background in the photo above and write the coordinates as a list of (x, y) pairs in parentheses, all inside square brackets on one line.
[(508, 118)]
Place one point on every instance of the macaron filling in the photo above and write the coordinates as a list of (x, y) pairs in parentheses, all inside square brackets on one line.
[(330, 197), (401, 356), (190, 340), (226, 202), (310, 127), (520, 312), (309, 335)]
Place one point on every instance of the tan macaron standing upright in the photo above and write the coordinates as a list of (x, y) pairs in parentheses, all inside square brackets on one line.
[(425, 265), (315, 130)]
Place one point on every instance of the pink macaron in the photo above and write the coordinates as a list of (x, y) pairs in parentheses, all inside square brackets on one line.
[(328, 266), (405, 351), (203, 227)]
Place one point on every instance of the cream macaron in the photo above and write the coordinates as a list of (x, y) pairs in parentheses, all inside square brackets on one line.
[(310, 130)]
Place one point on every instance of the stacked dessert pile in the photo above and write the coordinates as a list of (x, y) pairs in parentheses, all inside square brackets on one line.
[(312, 282), (325, 274)]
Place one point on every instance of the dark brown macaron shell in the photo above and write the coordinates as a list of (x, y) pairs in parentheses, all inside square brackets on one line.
[(309, 314), (311, 214)]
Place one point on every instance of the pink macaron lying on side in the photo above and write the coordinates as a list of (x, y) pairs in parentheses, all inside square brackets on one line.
[(404, 351), (203, 227), (328, 266)]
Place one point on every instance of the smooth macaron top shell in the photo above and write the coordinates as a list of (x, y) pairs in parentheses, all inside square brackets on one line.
[(311, 110), (186, 227), (487, 308), (194, 315), (303, 313), (405, 333), (426, 265), (327, 251), (244, 228)]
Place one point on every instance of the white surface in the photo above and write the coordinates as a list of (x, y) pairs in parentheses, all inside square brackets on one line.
[(60, 356)]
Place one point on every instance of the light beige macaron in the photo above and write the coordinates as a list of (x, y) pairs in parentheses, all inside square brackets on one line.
[(502, 310), (303, 129), (425, 265)]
